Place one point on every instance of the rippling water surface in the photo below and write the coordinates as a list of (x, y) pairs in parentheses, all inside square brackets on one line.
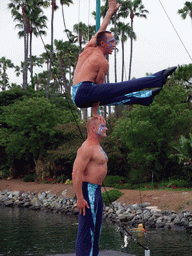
[(26, 232)]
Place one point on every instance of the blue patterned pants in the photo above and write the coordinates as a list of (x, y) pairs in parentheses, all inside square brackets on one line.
[(89, 228), (86, 93)]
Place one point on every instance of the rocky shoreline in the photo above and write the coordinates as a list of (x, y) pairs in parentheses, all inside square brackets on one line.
[(130, 215)]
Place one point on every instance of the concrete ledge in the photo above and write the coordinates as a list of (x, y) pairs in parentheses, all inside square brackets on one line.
[(102, 253)]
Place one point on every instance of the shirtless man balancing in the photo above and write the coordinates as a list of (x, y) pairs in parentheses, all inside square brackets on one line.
[(89, 89), (89, 171)]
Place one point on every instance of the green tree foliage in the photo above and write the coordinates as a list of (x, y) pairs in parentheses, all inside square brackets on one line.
[(59, 162), (184, 149), (186, 11), (4, 65), (29, 128), (149, 132), (184, 75)]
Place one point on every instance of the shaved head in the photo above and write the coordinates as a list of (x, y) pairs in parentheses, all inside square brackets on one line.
[(92, 122)]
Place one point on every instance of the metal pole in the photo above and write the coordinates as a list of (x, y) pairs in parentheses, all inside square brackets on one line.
[(98, 21), (97, 15)]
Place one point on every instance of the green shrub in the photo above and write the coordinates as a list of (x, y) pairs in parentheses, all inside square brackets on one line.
[(62, 178), (111, 181), (30, 177), (178, 183), (4, 174), (111, 195)]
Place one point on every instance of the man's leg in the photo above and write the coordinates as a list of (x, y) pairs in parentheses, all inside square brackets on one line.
[(98, 222), (88, 224), (84, 234), (142, 97), (89, 93)]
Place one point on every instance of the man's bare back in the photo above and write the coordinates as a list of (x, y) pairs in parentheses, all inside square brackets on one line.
[(92, 66)]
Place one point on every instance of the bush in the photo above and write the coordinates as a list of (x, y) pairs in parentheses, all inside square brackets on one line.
[(4, 174), (62, 179), (111, 181), (111, 195), (30, 177), (63, 157)]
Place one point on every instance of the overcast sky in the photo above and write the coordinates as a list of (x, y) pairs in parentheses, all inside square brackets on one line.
[(157, 46)]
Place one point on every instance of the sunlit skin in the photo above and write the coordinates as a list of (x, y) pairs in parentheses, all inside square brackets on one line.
[(91, 162)]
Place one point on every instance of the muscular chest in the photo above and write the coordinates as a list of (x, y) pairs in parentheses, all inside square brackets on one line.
[(100, 157)]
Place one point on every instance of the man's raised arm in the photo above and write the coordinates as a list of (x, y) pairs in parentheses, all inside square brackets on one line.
[(113, 7)]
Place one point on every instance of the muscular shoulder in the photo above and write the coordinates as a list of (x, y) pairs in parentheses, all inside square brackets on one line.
[(86, 150)]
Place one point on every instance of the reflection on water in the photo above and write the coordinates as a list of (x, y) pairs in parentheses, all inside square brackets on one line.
[(26, 232)]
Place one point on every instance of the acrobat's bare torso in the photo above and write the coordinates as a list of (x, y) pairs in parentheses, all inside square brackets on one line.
[(92, 66)]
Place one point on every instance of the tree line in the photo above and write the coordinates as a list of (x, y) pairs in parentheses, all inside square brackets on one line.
[(38, 130)]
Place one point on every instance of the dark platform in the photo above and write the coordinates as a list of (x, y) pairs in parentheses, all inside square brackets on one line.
[(102, 253)]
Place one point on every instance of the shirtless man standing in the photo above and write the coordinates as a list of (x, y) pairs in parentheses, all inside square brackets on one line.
[(89, 171)]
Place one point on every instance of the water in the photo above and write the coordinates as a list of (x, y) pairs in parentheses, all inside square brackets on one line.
[(26, 232)]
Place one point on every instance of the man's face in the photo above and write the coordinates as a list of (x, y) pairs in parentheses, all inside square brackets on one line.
[(101, 130), (109, 43)]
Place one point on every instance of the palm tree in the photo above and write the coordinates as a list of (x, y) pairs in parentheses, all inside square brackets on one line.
[(81, 30), (65, 2), (132, 8), (38, 23), (4, 64), (28, 13), (123, 32), (66, 54), (186, 11), (54, 7), (16, 6)]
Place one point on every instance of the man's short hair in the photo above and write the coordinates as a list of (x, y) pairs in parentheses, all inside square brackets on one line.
[(91, 121), (101, 36)]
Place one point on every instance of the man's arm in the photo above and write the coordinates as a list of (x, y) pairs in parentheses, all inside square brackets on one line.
[(82, 159), (99, 80), (113, 7)]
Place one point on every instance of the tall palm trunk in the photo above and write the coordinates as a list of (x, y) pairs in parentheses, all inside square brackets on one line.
[(25, 49), (62, 69), (4, 79), (131, 49), (53, 3), (31, 61), (123, 60)]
